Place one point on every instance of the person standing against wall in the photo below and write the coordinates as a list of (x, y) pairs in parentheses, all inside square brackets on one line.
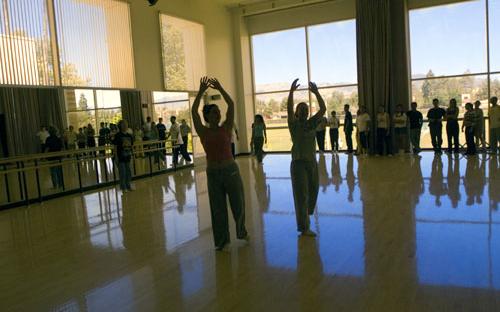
[(416, 120), (123, 142), (363, 125), (383, 132), (401, 130), (479, 125), (320, 134), (304, 167), (494, 116), (334, 123), (452, 127), (348, 127), (468, 124), (185, 131), (259, 137), (435, 116), (55, 144), (42, 135)]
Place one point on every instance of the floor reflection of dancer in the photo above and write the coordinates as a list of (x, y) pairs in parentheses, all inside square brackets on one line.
[(223, 174), (262, 189), (304, 168)]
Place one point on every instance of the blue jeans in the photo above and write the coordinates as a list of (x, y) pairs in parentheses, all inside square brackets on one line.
[(125, 174)]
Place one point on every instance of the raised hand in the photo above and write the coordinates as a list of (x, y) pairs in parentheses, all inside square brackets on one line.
[(204, 83), (295, 85), (313, 87), (214, 83)]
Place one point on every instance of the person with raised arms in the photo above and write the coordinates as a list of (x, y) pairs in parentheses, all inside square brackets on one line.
[(223, 175), (304, 167)]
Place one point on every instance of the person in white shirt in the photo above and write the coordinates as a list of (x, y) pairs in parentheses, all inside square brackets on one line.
[(363, 124), (333, 123), (494, 115), (401, 129), (70, 138), (383, 132), (42, 135)]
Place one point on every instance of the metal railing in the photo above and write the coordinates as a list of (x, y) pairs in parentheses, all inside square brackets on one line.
[(28, 179)]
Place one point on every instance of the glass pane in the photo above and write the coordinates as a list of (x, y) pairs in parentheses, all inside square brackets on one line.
[(278, 59), (108, 98), (273, 106), (178, 109), (463, 89), (161, 97), (494, 18), (448, 39), (81, 119), (25, 49), (79, 99), (336, 98), (95, 43), (112, 115), (183, 49), (278, 140), (332, 53)]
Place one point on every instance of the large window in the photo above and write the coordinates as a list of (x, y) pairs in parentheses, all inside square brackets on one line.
[(183, 50), (95, 45), (85, 106), (26, 55), (449, 54), (325, 54), (92, 46)]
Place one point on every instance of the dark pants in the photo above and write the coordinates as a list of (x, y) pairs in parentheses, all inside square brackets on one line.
[(258, 144), (469, 138), (125, 175), (222, 183), (348, 140), (383, 141), (320, 139), (305, 185), (452, 134), (101, 142), (436, 136), (415, 139), (334, 139), (363, 138), (184, 146), (176, 150), (42, 147), (56, 174)]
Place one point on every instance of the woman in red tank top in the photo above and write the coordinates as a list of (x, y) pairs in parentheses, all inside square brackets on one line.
[(223, 174)]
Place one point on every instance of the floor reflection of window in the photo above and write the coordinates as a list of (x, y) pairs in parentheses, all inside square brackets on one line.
[(342, 245), (192, 275), (181, 227)]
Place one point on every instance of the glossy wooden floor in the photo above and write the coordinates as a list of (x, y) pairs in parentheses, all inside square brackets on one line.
[(394, 234)]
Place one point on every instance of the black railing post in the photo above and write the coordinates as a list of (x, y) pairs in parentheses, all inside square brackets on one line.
[(38, 187)]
